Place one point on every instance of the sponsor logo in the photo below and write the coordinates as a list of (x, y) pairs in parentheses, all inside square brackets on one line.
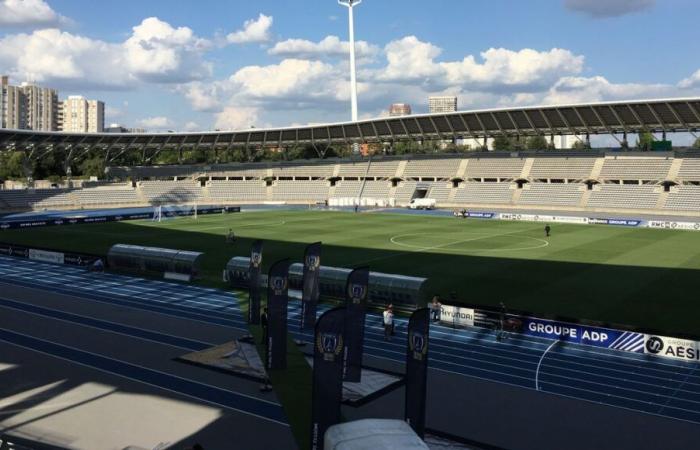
[(4, 226), (654, 345), (418, 345), (313, 262), (457, 316), (51, 257), (330, 345), (357, 293), (674, 348), (256, 259), (278, 284)]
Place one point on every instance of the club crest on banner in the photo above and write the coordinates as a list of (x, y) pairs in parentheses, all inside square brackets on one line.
[(256, 259), (278, 284), (418, 345), (357, 293), (330, 345), (313, 262)]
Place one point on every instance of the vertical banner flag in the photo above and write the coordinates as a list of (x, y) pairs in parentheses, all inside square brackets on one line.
[(310, 291), (356, 303), (254, 283), (327, 388), (277, 297), (417, 369)]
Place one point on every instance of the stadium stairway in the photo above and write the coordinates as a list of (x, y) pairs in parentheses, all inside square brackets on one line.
[(401, 169), (584, 198), (674, 170), (462, 170), (597, 168), (525, 173)]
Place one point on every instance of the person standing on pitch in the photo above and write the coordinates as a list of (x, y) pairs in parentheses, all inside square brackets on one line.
[(547, 230), (388, 322)]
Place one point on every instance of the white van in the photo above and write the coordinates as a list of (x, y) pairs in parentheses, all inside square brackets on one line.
[(422, 203)]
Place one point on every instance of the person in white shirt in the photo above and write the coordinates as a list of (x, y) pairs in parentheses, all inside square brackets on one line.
[(388, 322)]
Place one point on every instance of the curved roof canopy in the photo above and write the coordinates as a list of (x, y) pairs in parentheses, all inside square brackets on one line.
[(672, 115)]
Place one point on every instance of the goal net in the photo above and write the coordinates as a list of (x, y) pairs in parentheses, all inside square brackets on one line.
[(167, 212)]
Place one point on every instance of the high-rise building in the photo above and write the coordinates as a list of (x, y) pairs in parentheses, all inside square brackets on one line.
[(28, 107), (400, 109), (11, 105), (41, 107), (442, 104), (82, 116)]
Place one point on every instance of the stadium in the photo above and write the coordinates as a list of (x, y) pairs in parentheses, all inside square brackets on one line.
[(538, 298)]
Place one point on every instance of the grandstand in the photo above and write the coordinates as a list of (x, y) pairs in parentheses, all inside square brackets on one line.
[(658, 183)]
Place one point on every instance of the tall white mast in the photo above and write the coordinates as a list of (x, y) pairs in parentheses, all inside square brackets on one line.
[(353, 80)]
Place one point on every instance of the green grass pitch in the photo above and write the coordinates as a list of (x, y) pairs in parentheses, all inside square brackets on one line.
[(641, 277)]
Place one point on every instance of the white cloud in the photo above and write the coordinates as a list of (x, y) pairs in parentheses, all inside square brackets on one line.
[(291, 79), (330, 46), (157, 123), (608, 8), (233, 118), (21, 13), (203, 96), (413, 61), (692, 81), (192, 126), (155, 52), (254, 30), (53, 55), (159, 52), (593, 89)]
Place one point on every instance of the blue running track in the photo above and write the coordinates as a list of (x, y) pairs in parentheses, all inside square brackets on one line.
[(635, 382)]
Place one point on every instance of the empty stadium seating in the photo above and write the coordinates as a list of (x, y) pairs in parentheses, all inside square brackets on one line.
[(376, 189), (171, 191), (562, 168), (300, 191), (690, 170), (305, 182), (432, 168), (635, 168), (556, 194), (685, 198), (615, 196), (484, 193), (232, 190), (494, 167)]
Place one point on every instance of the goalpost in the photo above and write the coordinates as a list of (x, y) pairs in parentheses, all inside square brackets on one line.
[(166, 212)]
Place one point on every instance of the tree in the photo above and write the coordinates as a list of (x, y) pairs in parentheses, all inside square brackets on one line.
[(697, 143), (502, 143), (11, 165), (644, 141), (580, 145), (92, 167), (536, 143)]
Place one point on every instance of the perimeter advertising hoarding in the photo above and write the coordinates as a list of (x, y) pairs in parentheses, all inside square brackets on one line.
[(619, 222), (544, 218), (456, 316), (670, 347), (44, 256), (690, 226), (581, 334), (31, 223)]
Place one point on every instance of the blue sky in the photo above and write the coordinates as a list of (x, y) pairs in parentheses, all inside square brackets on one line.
[(200, 65)]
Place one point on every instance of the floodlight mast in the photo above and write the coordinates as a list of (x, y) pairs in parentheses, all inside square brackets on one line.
[(353, 80)]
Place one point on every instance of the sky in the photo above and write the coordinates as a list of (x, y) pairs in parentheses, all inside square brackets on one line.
[(210, 64)]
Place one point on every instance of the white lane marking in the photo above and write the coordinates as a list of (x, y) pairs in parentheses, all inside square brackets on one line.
[(396, 241)]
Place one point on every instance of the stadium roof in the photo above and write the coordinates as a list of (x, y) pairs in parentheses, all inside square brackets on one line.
[(671, 115)]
